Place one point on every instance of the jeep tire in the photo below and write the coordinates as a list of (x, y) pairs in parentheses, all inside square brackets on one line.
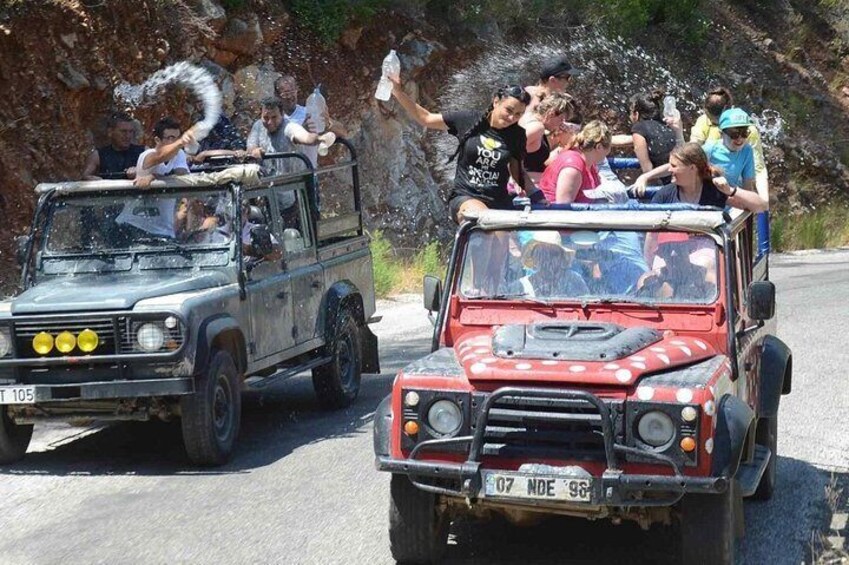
[(767, 436), (707, 527), (211, 416), (14, 438), (418, 532), (337, 383)]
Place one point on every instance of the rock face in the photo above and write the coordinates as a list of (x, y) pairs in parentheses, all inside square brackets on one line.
[(240, 36)]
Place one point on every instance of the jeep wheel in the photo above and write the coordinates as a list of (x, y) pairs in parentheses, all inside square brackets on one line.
[(338, 382), (211, 416), (707, 527), (418, 532), (14, 438), (767, 435)]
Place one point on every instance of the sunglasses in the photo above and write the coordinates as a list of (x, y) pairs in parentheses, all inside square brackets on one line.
[(517, 92), (737, 133), (569, 126)]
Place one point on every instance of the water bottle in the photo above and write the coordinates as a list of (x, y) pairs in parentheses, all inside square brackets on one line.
[(391, 68), (669, 109), (327, 140), (316, 108)]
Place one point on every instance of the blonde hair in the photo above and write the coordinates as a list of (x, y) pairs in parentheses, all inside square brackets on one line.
[(559, 104), (591, 135)]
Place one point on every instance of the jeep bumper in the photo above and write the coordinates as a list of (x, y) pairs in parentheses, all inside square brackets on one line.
[(613, 488), (41, 393)]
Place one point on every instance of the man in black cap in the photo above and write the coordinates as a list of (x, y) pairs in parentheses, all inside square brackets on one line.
[(554, 76)]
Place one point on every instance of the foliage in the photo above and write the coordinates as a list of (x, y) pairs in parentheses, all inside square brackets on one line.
[(386, 271), (231, 5), (816, 229), (329, 18), (429, 261)]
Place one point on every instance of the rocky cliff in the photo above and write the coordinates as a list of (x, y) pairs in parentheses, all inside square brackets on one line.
[(61, 59)]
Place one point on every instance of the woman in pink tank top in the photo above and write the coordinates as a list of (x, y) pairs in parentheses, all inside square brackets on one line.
[(575, 170)]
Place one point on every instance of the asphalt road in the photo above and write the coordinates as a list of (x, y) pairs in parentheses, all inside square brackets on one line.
[(302, 487)]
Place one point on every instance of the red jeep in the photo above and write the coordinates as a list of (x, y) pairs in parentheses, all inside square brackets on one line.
[(602, 363)]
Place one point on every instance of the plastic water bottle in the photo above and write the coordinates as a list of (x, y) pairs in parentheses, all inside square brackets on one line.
[(327, 140), (669, 109), (391, 68), (316, 108)]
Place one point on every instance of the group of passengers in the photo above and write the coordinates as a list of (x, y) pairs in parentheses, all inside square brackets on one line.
[(531, 140), (283, 126)]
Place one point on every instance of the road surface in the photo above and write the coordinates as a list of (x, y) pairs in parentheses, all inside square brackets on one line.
[(302, 486)]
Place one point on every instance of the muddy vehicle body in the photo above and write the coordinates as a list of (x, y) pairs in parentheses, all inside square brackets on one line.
[(168, 302), (624, 387)]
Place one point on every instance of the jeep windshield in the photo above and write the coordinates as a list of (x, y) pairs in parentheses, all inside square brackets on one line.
[(590, 266), (104, 232)]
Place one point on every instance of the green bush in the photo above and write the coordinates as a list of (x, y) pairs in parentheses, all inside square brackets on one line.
[(812, 233), (429, 260), (329, 18), (386, 271), (778, 233)]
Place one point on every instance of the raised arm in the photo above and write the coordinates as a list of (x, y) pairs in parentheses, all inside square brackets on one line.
[(420, 115), (166, 151)]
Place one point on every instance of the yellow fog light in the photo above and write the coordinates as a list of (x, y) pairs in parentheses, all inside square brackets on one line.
[(42, 343), (87, 341), (66, 342)]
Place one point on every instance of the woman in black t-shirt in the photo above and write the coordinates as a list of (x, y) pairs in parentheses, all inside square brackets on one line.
[(653, 139), (491, 149)]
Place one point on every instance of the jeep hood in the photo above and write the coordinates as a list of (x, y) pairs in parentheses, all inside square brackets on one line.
[(620, 357), (109, 292)]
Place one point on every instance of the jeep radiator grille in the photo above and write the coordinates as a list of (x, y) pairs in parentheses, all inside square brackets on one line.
[(26, 330), (545, 428)]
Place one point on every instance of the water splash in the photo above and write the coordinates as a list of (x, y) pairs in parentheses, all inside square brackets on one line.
[(770, 125), (195, 78), (614, 71)]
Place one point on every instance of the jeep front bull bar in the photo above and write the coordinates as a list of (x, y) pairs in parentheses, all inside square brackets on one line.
[(612, 489)]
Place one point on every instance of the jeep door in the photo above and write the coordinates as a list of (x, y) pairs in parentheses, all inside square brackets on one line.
[(269, 290), (299, 258)]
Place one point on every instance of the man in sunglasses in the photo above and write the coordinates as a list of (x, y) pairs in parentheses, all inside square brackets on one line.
[(555, 74)]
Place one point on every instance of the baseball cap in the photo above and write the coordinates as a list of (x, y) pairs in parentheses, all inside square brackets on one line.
[(557, 66), (734, 118)]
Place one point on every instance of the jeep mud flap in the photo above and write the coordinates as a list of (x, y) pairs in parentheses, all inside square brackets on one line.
[(613, 488)]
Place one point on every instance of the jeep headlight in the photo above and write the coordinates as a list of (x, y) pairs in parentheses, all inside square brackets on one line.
[(655, 428), (150, 337), (5, 342), (444, 417)]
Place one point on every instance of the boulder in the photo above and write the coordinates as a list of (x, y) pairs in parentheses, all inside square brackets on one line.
[(274, 27), (222, 57), (240, 36), (211, 12), (253, 83)]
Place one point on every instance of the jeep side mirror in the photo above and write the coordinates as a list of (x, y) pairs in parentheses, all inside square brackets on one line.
[(761, 300), (432, 293), (21, 243)]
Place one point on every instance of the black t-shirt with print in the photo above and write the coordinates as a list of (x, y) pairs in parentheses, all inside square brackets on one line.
[(660, 139), (711, 196), (482, 165)]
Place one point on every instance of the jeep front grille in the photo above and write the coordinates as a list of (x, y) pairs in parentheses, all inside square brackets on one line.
[(25, 330), (545, 428)]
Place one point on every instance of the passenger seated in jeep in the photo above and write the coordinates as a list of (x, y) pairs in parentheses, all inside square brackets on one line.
[(686, 269), (549, 264)]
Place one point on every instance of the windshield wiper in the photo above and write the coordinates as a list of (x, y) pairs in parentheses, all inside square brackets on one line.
[(507, 296), (623, 299)]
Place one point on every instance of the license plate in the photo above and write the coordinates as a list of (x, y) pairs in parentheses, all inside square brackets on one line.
[(536, 487), (17, 394)]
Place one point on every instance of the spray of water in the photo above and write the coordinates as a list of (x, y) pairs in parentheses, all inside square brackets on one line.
[(192, 77), (770, 125)]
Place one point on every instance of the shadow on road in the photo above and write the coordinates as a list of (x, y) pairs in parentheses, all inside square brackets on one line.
[(275, 422)]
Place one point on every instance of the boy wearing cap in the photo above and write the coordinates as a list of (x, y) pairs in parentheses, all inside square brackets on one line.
[(733, 153), (554, 76)]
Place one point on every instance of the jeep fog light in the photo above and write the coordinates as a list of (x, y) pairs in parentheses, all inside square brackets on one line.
[(150, 337), (42, 343), (444, 417), (411, 398), (171, 322), (65, 342), (87, 341), (655, 428), (5, 343)]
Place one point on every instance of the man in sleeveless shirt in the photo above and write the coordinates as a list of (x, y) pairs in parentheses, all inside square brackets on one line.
[(120, 156)]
